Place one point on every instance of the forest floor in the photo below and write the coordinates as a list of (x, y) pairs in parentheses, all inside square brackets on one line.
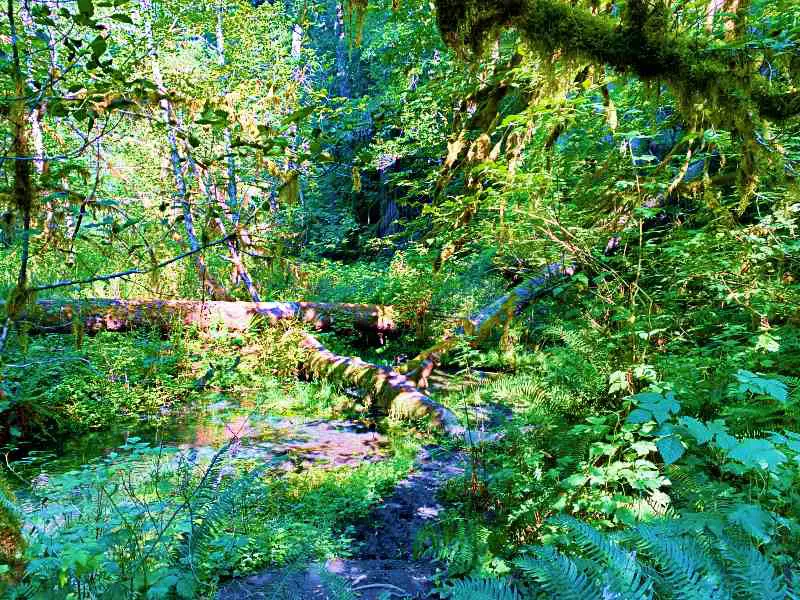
[(384, 565)]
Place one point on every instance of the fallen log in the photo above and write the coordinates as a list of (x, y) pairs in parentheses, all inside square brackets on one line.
[(394, 391), (482, 323), (123, 315)]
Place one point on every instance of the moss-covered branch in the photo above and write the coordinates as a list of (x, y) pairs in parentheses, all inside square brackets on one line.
[(640, 43), (482, 323), (391, 389)]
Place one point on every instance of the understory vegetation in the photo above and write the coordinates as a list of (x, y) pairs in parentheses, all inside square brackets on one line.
[(259, 258)]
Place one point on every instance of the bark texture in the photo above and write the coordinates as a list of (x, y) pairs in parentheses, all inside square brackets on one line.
[(391, 389), (640, 42), (400, 393)]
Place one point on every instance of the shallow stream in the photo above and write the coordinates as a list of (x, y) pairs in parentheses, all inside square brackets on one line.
[(285, 443)]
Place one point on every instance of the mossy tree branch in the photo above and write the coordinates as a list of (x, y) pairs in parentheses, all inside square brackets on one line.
[(639, 42)]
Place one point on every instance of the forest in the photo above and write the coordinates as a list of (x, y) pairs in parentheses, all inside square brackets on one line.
[(378, 299)]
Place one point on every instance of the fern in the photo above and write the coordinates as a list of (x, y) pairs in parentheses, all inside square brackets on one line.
[(619, 570), (457, 542), (473, 588), (695, 557), (753, 576), (558, 575), (215, 515), (684, 569)]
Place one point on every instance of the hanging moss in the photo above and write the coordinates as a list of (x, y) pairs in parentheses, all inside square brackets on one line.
[(714, 86)]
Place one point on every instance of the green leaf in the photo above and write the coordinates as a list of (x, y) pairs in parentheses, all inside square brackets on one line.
[(760, 386), (185, 587), (122, 18), (755, 454), (754, 520), (575, 481), (671, 448), (99, 46), (661, 407), (86, 7), (697, 429), (299, 115), (640, 416), (643, 448)]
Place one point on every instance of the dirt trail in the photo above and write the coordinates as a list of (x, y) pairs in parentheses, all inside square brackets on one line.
[(384, 566)]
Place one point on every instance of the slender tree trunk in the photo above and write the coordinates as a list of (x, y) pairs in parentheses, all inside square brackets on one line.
[(341, 51), (231, 187), (214, 289), (233, 207), (23, 184), (35, 114), (240, 270)]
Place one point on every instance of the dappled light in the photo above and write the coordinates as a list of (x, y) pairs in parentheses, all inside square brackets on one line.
[(425, 299)]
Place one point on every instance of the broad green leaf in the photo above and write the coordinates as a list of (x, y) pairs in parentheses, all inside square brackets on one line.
[(697, 429), (754, 520), (643, 448), (86, 7), (755, 384), (661, 407), (640, 416), (574, 481), (671, 448), (755, 453), (122, 18)]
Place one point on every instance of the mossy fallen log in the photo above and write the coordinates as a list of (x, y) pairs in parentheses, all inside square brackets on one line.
[(95, 315), (482, 323), (393, 391)]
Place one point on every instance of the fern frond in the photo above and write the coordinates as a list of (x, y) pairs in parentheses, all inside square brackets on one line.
[(619, 570), (684, 569), (558, 575), (215, 514), (474, 588), (753, 575)]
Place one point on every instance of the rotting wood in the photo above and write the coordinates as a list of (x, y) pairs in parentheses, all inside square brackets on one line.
[(400, 393), (393, 390)]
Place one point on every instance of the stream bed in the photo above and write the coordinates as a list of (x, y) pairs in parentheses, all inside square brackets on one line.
[(287, 443)]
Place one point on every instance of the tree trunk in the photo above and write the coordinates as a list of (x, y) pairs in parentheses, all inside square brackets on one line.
[(482, 323), (342, 76), (23, 185), (392, 391), (124, 315), (214, 289)]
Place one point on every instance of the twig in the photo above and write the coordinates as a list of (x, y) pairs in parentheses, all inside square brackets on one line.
[(394, 589), (110, 276)]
